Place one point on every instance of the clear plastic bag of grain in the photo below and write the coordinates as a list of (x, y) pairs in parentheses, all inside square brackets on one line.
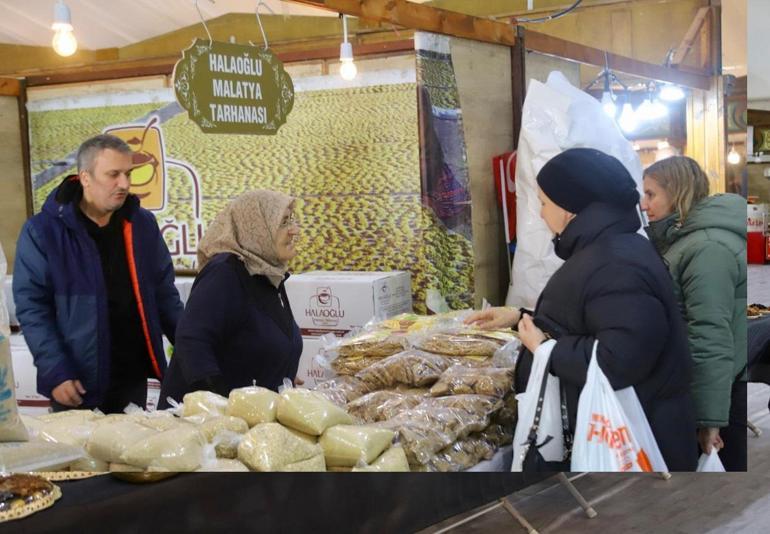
[(309, 412), (271, 447), (110, 440), (253, 404), (347, 445), (205, 402), (180, 449), (392, 460)]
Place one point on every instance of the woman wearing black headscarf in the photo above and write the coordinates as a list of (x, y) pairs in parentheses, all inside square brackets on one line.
[(612, 287)]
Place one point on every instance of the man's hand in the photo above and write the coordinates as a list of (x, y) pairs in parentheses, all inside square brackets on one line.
[(708, 438), (494, 318), (69, 393), (299, 382), (530, 335)]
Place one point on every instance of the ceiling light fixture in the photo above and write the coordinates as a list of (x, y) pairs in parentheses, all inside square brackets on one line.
[(348, 69), (671, 93), (733, 158), (64, 42)]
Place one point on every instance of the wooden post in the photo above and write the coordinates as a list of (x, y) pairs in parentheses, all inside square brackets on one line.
[(518, 83)]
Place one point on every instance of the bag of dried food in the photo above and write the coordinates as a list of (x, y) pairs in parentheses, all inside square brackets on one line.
[(419, 435), (494, 381), (11, 427), (203, 402), (461, 455), (460, 340), (271, 447), (382, 405), (347, 445), (179, 449), (224, 465), (315, 464), (341, 390), (392, 460), (412, 367), (476, 409), (309, 412), (253, 404), (109, 441), (359, 348), (225, 433)]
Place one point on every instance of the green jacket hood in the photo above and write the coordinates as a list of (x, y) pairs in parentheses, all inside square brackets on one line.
[(726, 211)]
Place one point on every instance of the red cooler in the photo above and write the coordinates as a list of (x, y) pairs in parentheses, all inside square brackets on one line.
[(756, 239)]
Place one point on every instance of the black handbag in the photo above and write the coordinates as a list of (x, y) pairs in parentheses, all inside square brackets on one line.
[(533, 460)]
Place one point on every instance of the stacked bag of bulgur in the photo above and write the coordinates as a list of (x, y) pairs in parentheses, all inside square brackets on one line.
[(255, 429), (444, 389)]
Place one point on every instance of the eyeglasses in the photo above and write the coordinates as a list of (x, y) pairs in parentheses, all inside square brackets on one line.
[(289, 220)]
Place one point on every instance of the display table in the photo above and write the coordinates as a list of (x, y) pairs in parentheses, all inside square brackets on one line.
[(256, 502)]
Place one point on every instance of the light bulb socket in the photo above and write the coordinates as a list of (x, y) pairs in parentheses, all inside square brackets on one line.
[(346, 52), (62, 19)]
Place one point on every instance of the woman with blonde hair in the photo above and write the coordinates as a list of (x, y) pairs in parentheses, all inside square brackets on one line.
[(703, 240), (238, 328)]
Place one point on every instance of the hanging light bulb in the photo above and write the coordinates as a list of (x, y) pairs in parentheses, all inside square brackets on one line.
[(608, 102), (651, 109), (348, 69), (733, 158), (64, 42), (658, 110), (671, 93), (628, 121)]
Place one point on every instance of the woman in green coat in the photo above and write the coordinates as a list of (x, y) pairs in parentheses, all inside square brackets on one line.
[(703, 240)]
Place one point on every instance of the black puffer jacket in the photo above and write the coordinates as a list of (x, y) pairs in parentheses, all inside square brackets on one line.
[(615, 288)]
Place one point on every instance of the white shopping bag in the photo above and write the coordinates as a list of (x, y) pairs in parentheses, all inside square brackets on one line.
[(710, 463), (550, 420), (608, 435)]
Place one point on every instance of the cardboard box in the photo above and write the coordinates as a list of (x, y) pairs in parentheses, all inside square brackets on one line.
[(30, 402), (25, 376), (309, 369), (337, 301)]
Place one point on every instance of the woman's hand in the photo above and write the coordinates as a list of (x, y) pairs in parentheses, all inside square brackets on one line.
[(708, 437), (530, 335), (494, 318)]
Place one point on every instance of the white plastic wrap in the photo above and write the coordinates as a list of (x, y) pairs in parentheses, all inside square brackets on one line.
[(36, 456), (556, 116), (204, 402), (109, 441)]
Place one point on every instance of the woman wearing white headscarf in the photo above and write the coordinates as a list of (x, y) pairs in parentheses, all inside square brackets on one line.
[(238, 327)]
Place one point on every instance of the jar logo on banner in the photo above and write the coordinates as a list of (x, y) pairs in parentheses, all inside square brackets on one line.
[(324, 308), (149, 182)]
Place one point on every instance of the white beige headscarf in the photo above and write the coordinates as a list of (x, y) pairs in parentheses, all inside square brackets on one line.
[(247, 228)]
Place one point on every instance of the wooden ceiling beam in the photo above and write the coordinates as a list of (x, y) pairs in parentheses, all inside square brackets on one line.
[(687, 42), (9, 87), (422, 17), (553, 46), (165, 65)]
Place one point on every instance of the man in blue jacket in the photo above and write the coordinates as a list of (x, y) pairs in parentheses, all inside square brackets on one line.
[(94, 287)]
